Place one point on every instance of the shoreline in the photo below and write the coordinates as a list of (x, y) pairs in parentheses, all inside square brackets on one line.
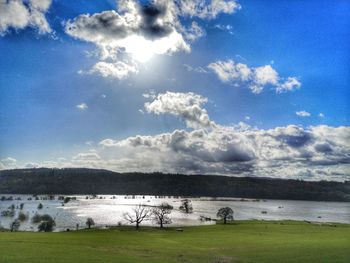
[(184, 227)]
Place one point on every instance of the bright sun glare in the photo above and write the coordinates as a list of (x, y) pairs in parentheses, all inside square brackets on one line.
[(142, 49)]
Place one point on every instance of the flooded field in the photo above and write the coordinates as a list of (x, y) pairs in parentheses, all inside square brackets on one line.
[(108, 210)]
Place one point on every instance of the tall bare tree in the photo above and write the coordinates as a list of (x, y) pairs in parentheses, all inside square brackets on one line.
[(138, 214), (160, 214)]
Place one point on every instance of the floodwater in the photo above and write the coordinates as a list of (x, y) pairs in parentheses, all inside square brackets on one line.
[(108, 210)]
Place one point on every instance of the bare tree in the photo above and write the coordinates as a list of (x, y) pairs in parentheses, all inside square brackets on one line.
[(160, 214), (139, 214), (225, 213)]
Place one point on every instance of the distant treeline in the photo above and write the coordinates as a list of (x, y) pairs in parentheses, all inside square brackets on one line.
[(92, 181)]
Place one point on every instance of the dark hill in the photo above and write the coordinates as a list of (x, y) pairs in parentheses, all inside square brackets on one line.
[(92, 181)]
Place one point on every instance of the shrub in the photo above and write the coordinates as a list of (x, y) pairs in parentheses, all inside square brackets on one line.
[(8, 213), (36, 218), (47, 224), (22, 216)]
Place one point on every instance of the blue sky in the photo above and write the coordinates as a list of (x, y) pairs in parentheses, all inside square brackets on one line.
[(46, 72)]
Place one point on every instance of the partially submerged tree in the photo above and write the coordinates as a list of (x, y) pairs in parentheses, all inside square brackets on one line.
[(22, 216), (66, 199), (186, 206), (138, 214), (47, 223), (8, 213), (90, 222), (14, 225), (160, 214), (225, 213), (36, 218)]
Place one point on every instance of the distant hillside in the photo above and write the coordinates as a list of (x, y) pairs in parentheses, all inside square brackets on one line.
[(92, 181)]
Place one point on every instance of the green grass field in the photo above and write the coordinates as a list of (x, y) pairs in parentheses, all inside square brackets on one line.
[(242, 241)]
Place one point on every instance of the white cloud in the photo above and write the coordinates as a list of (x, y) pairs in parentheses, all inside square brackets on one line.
[(205, 9), (286, 152), (265, 75), (135, 32), (150, 95), (89, 156), (195, 69), (186, 105), (303, 113), (194, 32), (8, 163), (229, 70), (42, 5), (82, 106), (227, 28), (254, 78), (290, 84), (18, 14), (321, 115), (292, 152), (314, 153), (108, 143), (118, 69)]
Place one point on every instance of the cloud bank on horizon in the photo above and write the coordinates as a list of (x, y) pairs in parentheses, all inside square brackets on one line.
[(316, 153), (135, 61)]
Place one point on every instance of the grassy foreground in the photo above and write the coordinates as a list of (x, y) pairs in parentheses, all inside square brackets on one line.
[(242, 241)]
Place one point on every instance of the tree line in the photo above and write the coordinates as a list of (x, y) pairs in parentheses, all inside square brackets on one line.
[(71, 181)]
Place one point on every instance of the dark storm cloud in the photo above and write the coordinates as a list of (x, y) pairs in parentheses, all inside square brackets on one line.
[(151, 21), (108, 24), (150, 26), (298, 140), (323, 147)]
